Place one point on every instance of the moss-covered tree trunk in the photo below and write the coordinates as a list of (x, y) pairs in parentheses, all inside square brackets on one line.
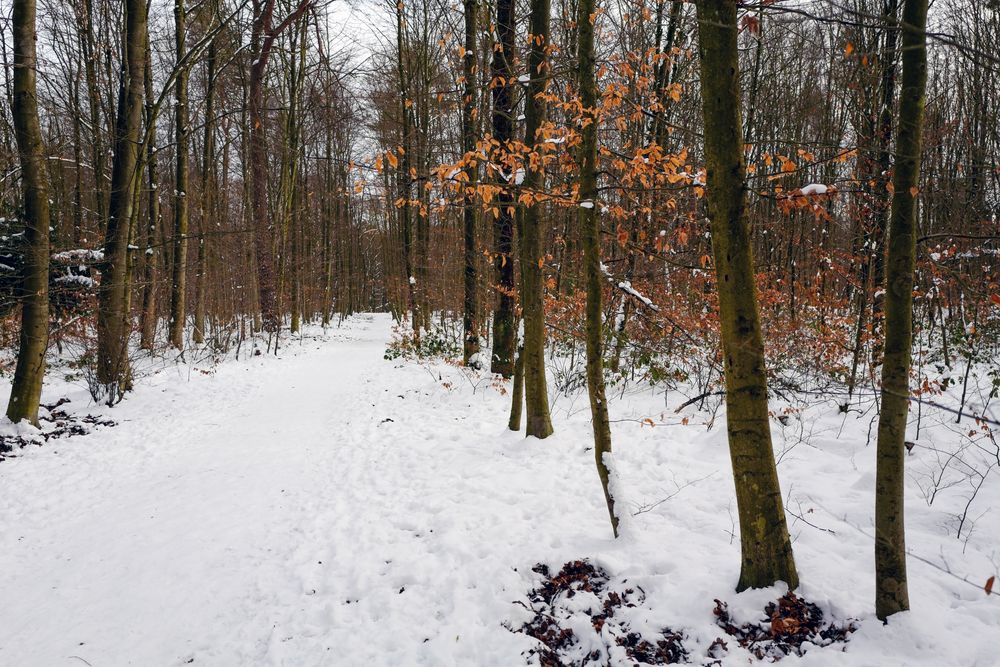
[(766, 547), (891, 593), (590, 229), (532, 254), (502, 73), (148, 319), (517, 394), (113, 325), (470, 302), (26, 389), (178, 283)]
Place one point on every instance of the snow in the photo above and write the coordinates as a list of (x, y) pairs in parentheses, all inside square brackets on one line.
[(626, 286), (328, 507), (84, 281), (815, 189), (79, 255)]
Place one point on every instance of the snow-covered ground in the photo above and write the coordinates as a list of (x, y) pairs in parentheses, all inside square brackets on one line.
[(328, 507)]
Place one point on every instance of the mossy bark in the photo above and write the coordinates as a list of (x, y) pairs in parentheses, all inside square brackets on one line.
[(517, 394), (766, 547), (113, 326), (178, 283), (532, 255), (590, 229), (148, 318), (501, 71), (29, 373), (891, 594), (470, 314)]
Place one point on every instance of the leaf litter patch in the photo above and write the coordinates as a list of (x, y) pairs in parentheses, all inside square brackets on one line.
[(579, 617), (791, 627), (53, 423)]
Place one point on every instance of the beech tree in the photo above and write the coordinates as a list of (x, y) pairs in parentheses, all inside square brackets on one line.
[(764, 540), (262, 41), (29, 373), (590, 227), (891, 594), (470, 302), (532, 254), (114, 375), (178, 291), (502, 86)]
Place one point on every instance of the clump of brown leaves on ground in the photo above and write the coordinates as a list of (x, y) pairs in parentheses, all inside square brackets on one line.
[(57, 423), (791, 626), (555, 616)]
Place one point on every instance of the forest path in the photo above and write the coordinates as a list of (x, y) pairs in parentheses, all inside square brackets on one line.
[(275, 511), (329, 507)]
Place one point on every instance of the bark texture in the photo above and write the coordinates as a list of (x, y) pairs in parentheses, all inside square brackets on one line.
[(766, 547), (891, 593), (537, 420), (470, 304), (34, 288), (590, 228), (178, 285), (504, 330), (113, 325)]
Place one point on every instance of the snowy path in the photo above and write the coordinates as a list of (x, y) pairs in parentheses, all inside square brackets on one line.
[(269, 517), (332, 508), (244, 518)]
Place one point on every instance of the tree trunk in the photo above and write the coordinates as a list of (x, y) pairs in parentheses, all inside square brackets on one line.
[(590, 226), (147, 324), (766, 547), (113, 326), (208, 209), (890, 16), (404, 182), (85, 28), (891, 593), (178, 285), (517, 394), (537, 420), (26, 389), (504, 330), (262, 40), (470, 302)]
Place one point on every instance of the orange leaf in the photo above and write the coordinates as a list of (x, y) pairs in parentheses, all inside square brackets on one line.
[(622, 236), (989, 585), (995, 298)]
